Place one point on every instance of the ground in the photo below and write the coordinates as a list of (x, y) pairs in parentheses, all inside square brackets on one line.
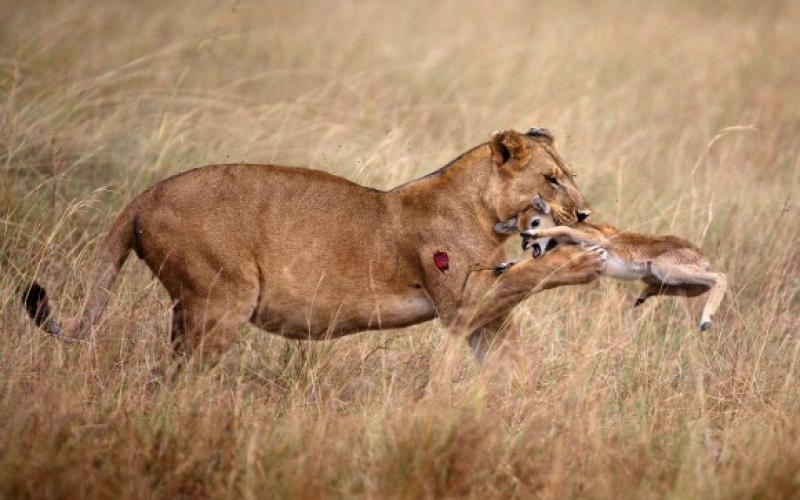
[(679, 117)]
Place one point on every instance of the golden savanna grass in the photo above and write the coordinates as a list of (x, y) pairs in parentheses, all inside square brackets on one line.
[(680, 117)]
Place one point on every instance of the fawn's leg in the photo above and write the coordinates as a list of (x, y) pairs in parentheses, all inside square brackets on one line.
[(714, 300), (564, 234), (688, 275), (654, 289)]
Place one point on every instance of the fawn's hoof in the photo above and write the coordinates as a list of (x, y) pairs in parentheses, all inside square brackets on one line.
[(705, 325), (639, 302)]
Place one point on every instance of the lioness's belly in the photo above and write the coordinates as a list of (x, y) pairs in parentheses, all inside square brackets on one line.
[(330, 317)]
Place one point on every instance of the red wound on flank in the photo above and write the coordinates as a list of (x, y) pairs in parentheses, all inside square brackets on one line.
[(441, 261)]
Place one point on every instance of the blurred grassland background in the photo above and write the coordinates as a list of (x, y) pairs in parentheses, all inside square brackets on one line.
[(679, 117)]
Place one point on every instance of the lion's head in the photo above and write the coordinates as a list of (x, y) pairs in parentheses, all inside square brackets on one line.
[(526, 165)]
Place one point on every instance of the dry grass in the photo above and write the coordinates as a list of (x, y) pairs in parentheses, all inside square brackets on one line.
[(101, 99)]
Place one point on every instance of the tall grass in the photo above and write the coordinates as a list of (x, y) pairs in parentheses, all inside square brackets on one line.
[(680, 117)]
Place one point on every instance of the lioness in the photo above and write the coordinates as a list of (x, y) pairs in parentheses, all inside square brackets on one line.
[(309, 255), (669, 265)]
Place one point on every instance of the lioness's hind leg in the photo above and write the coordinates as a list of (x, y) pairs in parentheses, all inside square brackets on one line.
[(204, 329)]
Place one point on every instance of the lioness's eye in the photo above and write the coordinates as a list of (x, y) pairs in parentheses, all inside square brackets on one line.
[(551, 179)]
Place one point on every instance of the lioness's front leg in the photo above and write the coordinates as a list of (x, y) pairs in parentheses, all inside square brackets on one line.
[(487, 297)]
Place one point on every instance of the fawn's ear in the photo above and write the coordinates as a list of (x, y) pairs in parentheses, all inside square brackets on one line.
[(508, 226), (540, 205), (507, 146)]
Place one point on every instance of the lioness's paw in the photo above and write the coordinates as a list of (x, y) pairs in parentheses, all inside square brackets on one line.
[(502, 267)]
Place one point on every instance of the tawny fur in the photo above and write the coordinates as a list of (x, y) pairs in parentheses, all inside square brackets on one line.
[(668, 264), (310, 255)]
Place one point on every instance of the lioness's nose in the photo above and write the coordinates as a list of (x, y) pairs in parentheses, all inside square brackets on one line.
[(583, 215)]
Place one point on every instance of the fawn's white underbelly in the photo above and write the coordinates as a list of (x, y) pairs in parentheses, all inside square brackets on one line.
[(621, 269)]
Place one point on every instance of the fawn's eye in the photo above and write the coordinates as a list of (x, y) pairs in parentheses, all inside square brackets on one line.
[(534, 223)]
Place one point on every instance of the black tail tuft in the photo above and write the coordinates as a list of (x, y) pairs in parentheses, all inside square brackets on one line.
[(35, 299)]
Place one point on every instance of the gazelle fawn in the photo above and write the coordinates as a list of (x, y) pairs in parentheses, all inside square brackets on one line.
[(667, 264)]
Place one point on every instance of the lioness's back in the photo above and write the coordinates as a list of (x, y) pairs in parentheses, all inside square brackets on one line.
[(229, 182)]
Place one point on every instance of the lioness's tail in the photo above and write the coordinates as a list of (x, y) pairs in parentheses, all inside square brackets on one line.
[(38, 307), (112, 255)]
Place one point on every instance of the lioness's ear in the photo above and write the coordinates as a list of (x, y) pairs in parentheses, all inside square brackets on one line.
[(507, 145), (540, 205), (542, 134), (508, 226)]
